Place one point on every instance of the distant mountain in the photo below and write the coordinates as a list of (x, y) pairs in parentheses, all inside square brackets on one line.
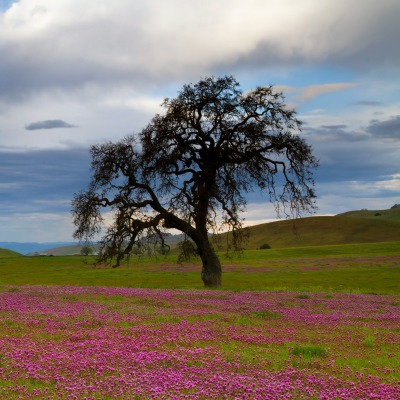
[(70, 249), (62, 248), (32, 247)]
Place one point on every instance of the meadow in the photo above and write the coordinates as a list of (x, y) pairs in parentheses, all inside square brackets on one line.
[(301, 323)]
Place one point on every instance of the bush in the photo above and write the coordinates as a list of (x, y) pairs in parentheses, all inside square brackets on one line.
[(265, 246), (86, 250)]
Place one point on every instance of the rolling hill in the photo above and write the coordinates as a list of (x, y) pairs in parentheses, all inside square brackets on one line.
[(362, 226), (31, 247), (316, 231), (390, 214), (6, 253)]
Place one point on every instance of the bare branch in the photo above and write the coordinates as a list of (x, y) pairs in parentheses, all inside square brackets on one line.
[(194, 165)]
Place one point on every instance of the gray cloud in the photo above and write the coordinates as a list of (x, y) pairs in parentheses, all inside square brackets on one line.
[(30, 179), (369, 103), (48, 124), (340, 133), (91, 48), (348, 155), (389, 129)]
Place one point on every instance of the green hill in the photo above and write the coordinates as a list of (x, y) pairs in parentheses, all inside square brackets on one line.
[(60, 251), (391, 214), (5, 253), (363, 226), (317, 231)]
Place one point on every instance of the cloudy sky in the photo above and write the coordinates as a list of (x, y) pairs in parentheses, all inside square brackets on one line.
[(79, 72)]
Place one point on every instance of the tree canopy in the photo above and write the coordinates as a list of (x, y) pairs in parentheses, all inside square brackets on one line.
[(190, 169)]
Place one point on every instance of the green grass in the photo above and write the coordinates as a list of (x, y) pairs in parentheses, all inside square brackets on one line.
[(309, 351), (356, 268), (369, 340)]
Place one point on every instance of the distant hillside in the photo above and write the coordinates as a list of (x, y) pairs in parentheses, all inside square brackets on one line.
[(59, 251), (363, 226), (6, 253), (391, 214), (30, 247), (73, 249), (316, 231)]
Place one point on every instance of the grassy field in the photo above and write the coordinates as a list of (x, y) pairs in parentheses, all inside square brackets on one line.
[(317, 322), (355, 268), (71, 342)]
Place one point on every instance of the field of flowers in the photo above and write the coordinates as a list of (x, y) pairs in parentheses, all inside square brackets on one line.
[(64, 342)]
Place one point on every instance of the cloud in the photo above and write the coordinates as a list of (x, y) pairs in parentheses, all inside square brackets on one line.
[(340, 133), (37, 227), (390, 185), (41, 181), (48, 124), (350, 154), (312, 91), (389, 129), (62, 46), (369, 103)]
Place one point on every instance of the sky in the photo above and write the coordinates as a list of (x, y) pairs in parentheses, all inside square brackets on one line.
[(74, 73)]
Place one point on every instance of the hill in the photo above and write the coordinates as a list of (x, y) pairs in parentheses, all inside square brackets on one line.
[(6, 253), (69, 249), (30, 247), (390, 214), (317, 231), (362, 226)]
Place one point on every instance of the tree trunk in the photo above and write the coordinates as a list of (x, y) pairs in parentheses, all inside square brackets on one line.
[(212, 271)]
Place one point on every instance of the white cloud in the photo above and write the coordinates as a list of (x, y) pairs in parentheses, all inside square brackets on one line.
[(70, 43), (259, 213), (37, 227), (312, 91), (392, 184)]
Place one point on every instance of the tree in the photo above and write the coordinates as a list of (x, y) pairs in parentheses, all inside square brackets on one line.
[(192, 166), (86, 250)]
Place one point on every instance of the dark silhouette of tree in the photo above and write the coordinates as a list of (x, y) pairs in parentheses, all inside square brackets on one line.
[(192, 166)]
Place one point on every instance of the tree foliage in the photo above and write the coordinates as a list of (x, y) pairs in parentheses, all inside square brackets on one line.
[(191, 167), (86, 250)]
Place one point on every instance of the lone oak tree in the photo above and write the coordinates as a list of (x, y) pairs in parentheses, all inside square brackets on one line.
[(192, 166)]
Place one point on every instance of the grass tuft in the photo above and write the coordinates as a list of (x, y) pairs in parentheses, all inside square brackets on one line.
[(369, 341), (302, 296), (309, 351)]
